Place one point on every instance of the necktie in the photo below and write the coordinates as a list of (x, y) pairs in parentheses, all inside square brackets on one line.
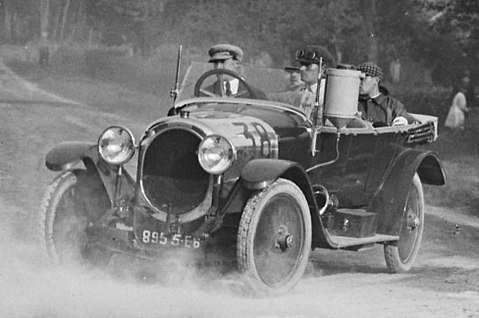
[(228, 88), (307, 100)]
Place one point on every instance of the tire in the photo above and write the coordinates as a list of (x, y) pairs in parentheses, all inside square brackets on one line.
[(401, 255), (65, 215), (274, 238)]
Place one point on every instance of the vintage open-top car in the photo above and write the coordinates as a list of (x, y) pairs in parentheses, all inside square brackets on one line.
[(244, 180)]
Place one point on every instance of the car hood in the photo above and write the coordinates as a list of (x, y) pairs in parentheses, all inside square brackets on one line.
[(243, 131)]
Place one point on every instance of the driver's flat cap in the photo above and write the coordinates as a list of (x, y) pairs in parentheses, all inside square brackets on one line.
[(222, 52)]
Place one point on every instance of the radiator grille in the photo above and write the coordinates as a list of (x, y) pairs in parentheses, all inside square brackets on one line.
[(172, 178)]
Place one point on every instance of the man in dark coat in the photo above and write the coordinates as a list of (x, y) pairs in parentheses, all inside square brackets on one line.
[(380, 109)]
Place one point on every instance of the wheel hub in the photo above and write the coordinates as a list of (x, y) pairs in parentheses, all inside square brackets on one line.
[(284, 240), (412, 221)]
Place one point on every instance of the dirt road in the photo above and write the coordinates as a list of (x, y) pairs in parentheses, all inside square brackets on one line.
[(444, 282)]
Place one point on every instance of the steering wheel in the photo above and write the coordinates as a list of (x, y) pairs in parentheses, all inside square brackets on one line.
[(217, 88)]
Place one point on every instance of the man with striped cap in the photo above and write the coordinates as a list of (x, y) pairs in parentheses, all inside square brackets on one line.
[(380, 109)]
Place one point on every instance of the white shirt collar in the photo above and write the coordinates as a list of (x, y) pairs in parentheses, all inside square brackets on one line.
[(234, 84), (314, 87)]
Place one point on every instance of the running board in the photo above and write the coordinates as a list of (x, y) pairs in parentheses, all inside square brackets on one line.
[(345, 242)]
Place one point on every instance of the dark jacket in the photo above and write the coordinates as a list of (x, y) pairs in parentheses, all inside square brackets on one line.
[(382, 110)]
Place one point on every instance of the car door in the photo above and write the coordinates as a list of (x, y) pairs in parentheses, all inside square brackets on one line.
[(354, 172)]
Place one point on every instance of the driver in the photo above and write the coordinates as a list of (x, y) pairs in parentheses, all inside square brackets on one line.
[(229, 57), (376, 107)]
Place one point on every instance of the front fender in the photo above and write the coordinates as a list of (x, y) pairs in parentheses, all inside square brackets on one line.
[(258, 173), (66, 155), (391, 195)]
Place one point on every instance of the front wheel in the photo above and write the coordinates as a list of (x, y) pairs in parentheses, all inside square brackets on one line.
[(401, 255), (70, 203), (274, 238)]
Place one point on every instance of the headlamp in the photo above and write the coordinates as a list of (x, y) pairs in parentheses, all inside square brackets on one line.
[(116, 145), (216, 154)]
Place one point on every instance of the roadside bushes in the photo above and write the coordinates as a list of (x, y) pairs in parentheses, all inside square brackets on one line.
[(428, 100)]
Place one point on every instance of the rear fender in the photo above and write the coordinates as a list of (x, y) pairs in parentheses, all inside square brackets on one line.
[(391, 195), (65, 156), (259, 173)]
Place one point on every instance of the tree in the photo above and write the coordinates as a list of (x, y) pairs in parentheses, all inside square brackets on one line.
[(131, 19), (455, 23), (44, 16), (18, 16)]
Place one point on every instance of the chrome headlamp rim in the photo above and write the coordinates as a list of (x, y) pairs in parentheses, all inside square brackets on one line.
[(220, 167), (126, 147)]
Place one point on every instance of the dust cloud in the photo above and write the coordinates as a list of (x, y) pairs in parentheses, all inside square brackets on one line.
[(32, 287)]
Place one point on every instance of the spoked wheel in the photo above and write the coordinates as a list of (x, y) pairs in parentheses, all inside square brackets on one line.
[(64, 218), (274, 238), (217, 88), (401, 255)]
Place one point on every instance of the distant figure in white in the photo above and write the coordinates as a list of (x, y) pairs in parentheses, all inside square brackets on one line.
[(456, 117)]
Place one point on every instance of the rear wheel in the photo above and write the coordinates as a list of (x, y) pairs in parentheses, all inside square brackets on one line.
[(65, 215), (401, 255), (274, 238)]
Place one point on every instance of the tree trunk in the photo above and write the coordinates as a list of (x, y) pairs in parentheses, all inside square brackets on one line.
[(337, 49), (8, 25), (369, 14), (64, 20), (44, 17), (14, 25), (79, 22)]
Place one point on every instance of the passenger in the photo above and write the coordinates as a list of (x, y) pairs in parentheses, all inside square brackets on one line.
[(309, 59), (375, 107), (229, 57), (294, 75)]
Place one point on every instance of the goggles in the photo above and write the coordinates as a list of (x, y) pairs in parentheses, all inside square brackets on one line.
[(309, 66), (307, 55)]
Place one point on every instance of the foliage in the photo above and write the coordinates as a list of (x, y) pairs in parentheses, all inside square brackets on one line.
[(456, 25), (442, 35), (426, 100)]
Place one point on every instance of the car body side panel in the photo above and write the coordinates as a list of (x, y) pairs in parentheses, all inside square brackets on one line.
[(361, 163)]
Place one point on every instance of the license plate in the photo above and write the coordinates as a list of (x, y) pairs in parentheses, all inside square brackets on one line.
[(154, 237)]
